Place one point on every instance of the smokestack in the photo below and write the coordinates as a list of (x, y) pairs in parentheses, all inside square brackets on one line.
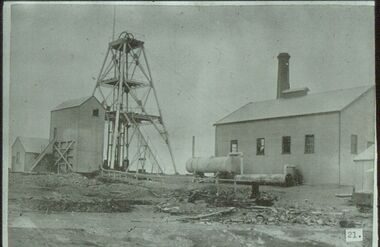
[(283, 74)]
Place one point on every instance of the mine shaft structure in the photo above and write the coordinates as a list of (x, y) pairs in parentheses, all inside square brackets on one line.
[(125, 85)]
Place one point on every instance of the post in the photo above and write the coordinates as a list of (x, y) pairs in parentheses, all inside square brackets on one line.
[(137, 170), (193, 147), (255, 190), (235, 186), (241, 165), (217, 184)]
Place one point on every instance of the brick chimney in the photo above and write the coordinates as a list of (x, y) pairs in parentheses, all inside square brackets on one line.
[(283, 74)]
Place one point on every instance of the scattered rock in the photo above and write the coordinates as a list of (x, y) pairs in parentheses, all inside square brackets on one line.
[(346, 223)]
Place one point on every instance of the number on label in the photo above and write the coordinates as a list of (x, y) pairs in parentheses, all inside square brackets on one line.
[(354, 235)]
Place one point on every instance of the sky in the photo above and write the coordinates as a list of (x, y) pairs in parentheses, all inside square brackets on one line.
[(206, 61)]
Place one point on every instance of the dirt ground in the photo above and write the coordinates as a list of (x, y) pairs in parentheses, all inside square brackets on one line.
[(75, 210)]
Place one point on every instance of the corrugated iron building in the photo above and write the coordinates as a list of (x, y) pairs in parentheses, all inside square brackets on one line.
[(80, 122), (319, 133), (25, 150)]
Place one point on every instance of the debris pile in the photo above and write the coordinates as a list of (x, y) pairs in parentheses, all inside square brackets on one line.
[(281, 216), (202, 204), (205, 199), (226, 197)]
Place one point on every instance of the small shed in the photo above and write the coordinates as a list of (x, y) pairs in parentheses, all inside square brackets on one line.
[(77, 126), (364, 170), (24, 152)]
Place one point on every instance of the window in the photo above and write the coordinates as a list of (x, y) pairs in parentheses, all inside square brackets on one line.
[(309, 144), (95, 112), (286, 144), (260, 146), (18, 157), (354, 144), (55, 133), (234, 146)]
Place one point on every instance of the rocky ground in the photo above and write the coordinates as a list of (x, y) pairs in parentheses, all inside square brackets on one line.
[(74, 210)]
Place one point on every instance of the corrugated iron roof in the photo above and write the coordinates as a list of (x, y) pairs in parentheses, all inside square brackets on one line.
[(72, 103), (323, 102), (368, 154), (33, 144)]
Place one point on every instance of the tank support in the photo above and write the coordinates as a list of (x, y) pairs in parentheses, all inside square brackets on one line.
[(255, 190)]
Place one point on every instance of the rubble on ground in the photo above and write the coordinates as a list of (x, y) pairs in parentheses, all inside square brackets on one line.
[(261, 210), (201, 202), (106, 206)]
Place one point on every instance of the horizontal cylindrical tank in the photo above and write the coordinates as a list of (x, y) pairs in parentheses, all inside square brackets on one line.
[(229, 164)]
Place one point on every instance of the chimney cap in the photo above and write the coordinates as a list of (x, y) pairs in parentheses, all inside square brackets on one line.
[(283, 55)]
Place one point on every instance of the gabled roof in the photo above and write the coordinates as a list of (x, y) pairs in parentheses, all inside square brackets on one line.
[(330, 101), (368, 154), (33, 144), (72, 103)]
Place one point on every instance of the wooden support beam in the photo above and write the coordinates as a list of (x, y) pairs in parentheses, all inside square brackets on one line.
[(42, 154), (63, 157)]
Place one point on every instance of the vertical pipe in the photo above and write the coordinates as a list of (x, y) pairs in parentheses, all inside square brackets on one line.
[(126, 134), (339, 151), (241, 165), (108, 140), (124, 144), (121, 145), (113, 99), (112, 128), (235, 186), (118, 106), (137, 169), (193, 147), (217, 185)]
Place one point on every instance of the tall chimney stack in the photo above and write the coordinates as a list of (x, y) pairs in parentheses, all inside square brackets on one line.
[(283, 74)]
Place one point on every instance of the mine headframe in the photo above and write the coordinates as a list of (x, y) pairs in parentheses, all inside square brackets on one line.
[(125, 86)]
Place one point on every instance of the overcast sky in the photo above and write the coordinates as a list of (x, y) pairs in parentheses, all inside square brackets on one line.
[(206, 61)]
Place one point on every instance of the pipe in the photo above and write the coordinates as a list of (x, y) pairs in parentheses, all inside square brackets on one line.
[(193, 147)]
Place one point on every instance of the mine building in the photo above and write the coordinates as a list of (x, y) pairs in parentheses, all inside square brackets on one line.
[(319, 133), (77, 131), (25, 150)]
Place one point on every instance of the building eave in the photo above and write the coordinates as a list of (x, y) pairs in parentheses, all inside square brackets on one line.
[(70, 107), (281, 117)]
